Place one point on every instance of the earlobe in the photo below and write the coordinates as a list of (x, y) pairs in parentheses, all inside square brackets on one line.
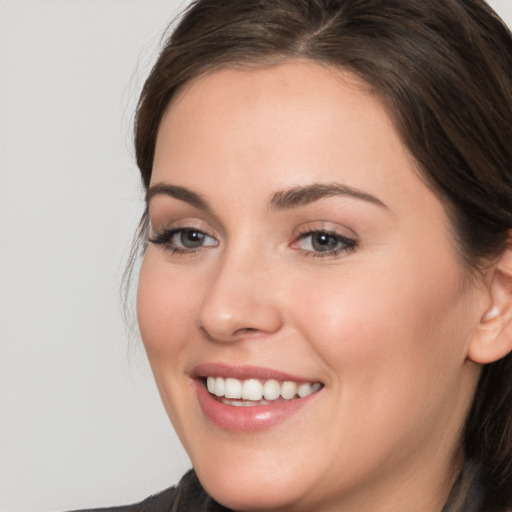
[(493, 338)]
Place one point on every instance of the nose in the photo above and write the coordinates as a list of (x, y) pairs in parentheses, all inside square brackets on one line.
[(241, 301)]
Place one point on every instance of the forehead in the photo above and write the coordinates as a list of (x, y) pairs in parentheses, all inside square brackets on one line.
[(259, 83), (296, 121)]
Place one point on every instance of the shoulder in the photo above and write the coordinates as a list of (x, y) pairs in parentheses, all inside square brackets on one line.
[(471, 492), (162, 501), (187, 496)]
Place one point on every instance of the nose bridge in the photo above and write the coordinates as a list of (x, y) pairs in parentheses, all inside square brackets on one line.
[(240, 298)]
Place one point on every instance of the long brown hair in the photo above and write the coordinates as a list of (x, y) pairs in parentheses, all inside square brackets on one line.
[(444, 70)]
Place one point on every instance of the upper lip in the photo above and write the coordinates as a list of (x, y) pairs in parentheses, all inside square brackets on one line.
[(245, 372)]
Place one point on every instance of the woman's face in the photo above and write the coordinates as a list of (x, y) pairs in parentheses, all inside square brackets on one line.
[(296, 251)]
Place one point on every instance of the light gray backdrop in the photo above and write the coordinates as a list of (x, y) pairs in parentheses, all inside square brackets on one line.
[(81, 422)]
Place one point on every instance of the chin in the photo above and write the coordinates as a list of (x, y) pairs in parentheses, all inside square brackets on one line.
[(250, 491)]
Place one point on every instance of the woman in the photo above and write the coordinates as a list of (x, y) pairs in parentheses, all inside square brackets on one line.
[(326, 292)]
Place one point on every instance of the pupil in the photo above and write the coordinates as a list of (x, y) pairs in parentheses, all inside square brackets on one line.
[(192, 238), (323, 242)]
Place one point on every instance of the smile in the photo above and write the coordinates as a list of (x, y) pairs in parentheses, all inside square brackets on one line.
[(253, 392), (250, 399)]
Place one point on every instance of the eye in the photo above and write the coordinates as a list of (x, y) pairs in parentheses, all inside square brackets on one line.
[(324, 243), (183, 240), (189, 239)]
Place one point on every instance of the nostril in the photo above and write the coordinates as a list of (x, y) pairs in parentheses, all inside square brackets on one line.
[(249, 332), (236, 335), (246, 330)]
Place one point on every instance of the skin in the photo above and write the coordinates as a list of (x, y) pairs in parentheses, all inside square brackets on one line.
[(385, 326)]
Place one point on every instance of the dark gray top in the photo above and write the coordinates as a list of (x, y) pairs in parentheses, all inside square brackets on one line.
[(189, 496)]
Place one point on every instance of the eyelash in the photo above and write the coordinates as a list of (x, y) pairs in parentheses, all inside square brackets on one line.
[(346, 244), (166, 236)]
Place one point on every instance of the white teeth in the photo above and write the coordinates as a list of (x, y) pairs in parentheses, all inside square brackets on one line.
[(243, 403), (254, 390), (233, 388), (220, 386), (288, 390), (307, 389), (271, 389)]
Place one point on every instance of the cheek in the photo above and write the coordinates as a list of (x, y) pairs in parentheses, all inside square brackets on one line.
[(165, 308), (382, 327), (394, 343)]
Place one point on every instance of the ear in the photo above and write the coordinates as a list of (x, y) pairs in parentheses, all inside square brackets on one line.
[(493, 338)]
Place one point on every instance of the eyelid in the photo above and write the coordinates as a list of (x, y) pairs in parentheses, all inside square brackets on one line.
[(349, 241), (166, 212), (166, 240), (182, 223), (163, 236), (326, 227)]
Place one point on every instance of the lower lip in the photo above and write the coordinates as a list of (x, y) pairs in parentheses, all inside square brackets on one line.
[(248, 419)]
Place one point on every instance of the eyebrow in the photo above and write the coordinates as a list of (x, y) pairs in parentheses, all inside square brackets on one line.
[(304, 195), (281, 200), (180, 193)]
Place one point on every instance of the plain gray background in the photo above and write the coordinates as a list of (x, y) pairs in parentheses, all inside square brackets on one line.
[(81, 421)]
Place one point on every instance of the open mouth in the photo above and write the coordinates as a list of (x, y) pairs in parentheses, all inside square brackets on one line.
[(254, 392)]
